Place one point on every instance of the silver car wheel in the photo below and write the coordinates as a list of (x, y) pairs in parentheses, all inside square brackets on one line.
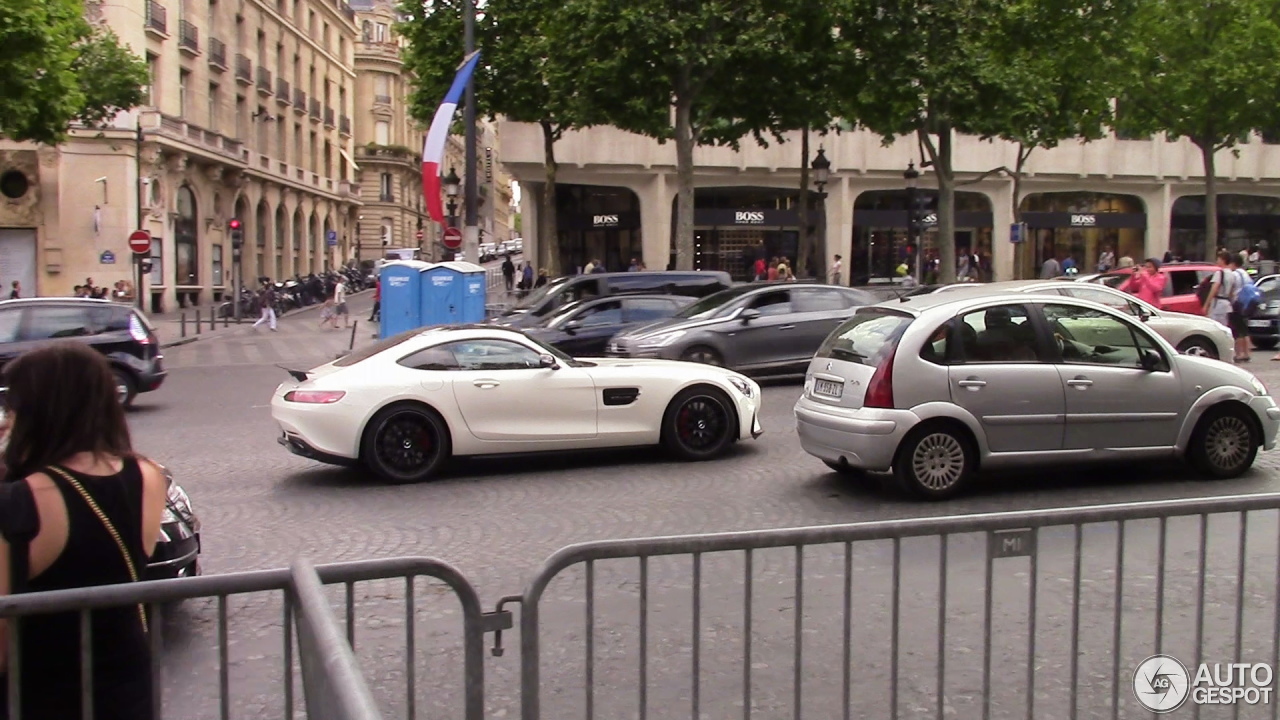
[(938, 461), (1227, 441)]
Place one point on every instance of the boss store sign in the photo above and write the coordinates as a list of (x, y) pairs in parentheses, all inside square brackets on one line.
[(717, 217), (602, 221), (1107, 220)]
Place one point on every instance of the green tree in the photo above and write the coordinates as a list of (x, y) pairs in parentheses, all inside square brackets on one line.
[(1206, 71), (697, 73), (58, 69), (936, 68), (518, 78)]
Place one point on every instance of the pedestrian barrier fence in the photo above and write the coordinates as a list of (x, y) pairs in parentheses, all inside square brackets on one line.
[(1030, 614)]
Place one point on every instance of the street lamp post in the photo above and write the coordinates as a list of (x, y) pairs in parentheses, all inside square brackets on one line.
[(912, 176), (821, 168), (451, 189)]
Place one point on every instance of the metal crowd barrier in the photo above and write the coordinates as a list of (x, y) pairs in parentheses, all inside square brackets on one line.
[(1030, 614), (332, 685)]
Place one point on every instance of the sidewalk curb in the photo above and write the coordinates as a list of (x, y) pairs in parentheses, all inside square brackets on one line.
[(227, 330)]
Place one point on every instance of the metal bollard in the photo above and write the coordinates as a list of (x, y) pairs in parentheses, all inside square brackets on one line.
[(182, 320), (351, 345), (197, 321)]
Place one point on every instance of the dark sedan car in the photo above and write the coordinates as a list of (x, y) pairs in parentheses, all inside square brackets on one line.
[(1264, 326), (583, 328), (760, 328)]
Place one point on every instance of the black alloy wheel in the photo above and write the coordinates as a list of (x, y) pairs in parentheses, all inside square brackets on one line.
[(699, 424), (704, 355), (406, 443), (126, 387)]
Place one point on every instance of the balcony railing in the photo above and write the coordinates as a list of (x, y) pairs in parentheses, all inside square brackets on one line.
[(382, 99), (328, 117), (244, 69), (217, 53), (157, 17), (299, 100), (180, 129), (315, 109), (344, 125), (282, 91), (188, 37), (264, 80)]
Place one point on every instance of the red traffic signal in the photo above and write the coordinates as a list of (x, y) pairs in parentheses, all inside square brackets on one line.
[(234, 224)]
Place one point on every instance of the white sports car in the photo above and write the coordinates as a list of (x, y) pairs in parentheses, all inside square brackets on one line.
[(405, 405)]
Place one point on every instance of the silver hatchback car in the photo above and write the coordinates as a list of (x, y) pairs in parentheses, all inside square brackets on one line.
[(935, 387)]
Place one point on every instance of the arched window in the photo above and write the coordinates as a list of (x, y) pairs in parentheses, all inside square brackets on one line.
[(281, 221), (186, 245)]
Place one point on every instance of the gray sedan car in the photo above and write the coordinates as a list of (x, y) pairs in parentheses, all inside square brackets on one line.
[(759, 327), (936, 387)]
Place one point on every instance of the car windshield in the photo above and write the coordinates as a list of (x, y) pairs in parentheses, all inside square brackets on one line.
[(867, 338), (1111, 280), (534, 298), (558, 316), (712, 304)]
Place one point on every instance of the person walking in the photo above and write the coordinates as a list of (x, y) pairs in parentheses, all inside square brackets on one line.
[(836, 268), (526, 277), (1051, 268), (1223, 286), (93, 508), (1148, 282), (340, 305), (376, 315), (16, 292), (509, 274), (1238, 323), (267, 299), (1106, 259)]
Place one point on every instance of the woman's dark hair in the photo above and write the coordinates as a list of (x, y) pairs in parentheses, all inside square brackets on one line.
[(62, 401), (1153, 261)]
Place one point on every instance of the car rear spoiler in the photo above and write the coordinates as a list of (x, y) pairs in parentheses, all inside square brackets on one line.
[(299, 375)]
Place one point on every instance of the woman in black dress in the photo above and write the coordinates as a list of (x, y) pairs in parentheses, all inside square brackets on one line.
[(99, 506)]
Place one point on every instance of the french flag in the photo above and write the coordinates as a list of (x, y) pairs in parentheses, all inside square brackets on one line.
[(433, 148)]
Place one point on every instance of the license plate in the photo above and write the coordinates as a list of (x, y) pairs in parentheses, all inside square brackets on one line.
[(827, 388), (1260, 323)]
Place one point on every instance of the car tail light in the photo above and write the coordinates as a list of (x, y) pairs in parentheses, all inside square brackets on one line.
[(139, 331), (880, 389), (314, 397)]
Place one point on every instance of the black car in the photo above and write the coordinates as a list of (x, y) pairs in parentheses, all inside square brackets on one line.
[(533, 309), (1264, 326), (583, 328), (177, 553), (119, 332)]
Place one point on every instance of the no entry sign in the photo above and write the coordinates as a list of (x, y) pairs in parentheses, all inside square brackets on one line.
[(140, 242), (452, 238)]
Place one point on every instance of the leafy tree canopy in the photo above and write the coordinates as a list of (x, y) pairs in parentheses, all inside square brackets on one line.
[(58, 69)]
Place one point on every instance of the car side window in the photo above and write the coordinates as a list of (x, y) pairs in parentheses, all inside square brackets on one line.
[(119, 319), (1092, 337), (607, 313), (935, 348), (53, 323), (1268, 284), (432, 358), (493, 355), (1001, 334), (10, 321), (777, 302), (645, 309), (818, 300), (1102, 297), (586, 290), (1183, 282)]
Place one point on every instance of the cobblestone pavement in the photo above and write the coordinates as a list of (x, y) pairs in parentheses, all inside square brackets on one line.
[(498, 519)]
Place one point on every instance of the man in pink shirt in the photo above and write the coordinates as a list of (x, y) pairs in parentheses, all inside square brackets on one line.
[(1147, 282)]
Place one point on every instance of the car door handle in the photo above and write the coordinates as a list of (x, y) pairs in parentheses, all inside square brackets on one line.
[(485, 384), (972, 384), (1081, 383), (786, 327)]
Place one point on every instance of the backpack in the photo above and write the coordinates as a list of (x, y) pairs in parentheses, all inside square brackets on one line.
[(1203, 289), (1248, 299)]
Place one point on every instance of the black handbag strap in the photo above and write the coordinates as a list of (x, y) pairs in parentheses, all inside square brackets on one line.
[(19, 523)]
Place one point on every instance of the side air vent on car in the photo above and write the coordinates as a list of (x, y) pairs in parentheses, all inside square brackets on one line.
[(620, 396)]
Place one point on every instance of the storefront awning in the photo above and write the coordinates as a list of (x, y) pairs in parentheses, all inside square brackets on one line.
[(354, 167)]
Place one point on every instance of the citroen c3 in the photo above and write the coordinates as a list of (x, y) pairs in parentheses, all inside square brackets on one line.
[(937, 387)]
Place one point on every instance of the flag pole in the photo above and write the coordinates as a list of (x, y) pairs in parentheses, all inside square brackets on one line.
[(471, 231)]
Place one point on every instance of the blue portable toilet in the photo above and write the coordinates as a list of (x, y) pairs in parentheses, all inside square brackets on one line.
[(441, 298), (402, 283), (474, 286)]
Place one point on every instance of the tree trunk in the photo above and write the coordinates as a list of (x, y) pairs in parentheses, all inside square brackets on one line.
[(946, 207), (548, 243), (804, 247), (1019, 250), (685, 142), (1210, 200)]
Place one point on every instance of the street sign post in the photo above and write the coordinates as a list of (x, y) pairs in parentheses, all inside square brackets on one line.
[(419, 235), (452, 238), (140, 244)]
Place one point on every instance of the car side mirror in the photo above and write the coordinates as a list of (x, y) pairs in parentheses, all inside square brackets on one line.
[(748, 315), (573, 326), (547, 360), (1150, 360)]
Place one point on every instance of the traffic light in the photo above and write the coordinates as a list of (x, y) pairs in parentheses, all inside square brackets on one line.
[(237, 233)]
